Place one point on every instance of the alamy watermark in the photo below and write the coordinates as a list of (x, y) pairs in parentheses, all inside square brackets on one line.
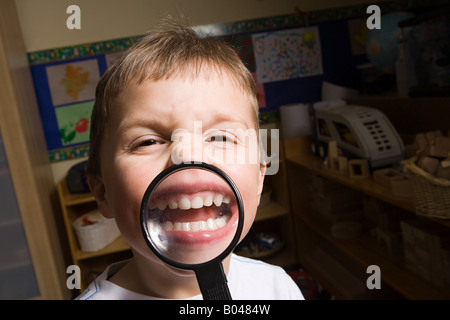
[(74, 279), (74, 20), (227, 146), (374, 20), (374, 280)]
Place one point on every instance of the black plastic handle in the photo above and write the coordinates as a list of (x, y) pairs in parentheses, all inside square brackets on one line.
[(213, 282)]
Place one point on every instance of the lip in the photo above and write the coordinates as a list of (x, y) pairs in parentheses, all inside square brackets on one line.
[(181, 239)]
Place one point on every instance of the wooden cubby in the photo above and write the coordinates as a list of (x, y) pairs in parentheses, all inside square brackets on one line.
[(91, 264), (331, 260)]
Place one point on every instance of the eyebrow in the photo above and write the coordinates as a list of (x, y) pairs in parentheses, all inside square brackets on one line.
[(159, 125), (222, 117), (154, 123)]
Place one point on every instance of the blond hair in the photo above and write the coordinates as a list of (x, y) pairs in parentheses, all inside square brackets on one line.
[(172, 49)]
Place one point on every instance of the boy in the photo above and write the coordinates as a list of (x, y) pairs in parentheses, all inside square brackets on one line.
[(174, 81)]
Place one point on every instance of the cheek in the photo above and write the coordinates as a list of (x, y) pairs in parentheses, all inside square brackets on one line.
[(128, 179), (246, 179), (250, 208), (125, 199), (125, 188)]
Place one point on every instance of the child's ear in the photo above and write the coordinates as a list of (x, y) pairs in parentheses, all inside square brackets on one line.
[(99, 191)]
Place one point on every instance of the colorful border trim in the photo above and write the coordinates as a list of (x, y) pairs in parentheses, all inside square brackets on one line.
[(69, 153), (80, 51)]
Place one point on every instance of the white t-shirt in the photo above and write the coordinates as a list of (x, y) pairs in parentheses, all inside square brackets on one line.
[(248, 279)]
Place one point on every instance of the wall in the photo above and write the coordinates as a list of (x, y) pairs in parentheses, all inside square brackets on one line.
[(111, 19), (43, 22)]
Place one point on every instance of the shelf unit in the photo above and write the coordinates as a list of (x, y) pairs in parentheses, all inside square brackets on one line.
[(351, 255), (74, 205), (274, 216)]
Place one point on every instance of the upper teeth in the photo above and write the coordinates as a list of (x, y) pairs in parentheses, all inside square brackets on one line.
[(185, 202)]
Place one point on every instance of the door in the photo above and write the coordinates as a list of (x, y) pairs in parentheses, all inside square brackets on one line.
[(17, 276)]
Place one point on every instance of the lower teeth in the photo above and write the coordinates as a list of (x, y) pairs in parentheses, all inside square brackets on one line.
[(210, 224)]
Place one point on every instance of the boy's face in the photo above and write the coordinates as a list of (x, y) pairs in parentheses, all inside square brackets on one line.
[(155, 124)]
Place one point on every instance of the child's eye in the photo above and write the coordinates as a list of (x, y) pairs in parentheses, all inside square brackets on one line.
[(222, 138), (143, 143), (148, 142)]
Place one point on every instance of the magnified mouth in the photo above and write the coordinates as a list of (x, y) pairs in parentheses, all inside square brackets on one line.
[(202, 211), (192, 217)]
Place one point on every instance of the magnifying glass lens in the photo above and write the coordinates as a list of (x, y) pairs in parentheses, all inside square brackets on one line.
[(191, 216)]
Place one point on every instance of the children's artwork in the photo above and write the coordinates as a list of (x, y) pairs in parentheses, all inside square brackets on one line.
[(73, 82), (73, 122), (287, 54)]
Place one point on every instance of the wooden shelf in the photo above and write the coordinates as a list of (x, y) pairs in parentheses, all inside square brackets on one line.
[(117, 245), (270, 211), (285, 258), (73, 199), (74, 205), (361, 251), (365, 251), (295, 154), (298, 153)]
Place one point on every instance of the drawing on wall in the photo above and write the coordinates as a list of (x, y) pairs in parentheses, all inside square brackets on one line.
[(73, 82), (74, 122), (287, 54)]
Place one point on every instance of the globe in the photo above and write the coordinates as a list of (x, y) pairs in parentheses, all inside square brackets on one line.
[(382, 44)]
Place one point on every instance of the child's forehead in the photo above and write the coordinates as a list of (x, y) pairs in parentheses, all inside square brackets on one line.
[(192, 72), (205, 84), (172, 104), (186, 90)]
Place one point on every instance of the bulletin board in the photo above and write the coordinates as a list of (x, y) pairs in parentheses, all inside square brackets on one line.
[(290, 64), (67, 103), (289, 56), (65, 80)]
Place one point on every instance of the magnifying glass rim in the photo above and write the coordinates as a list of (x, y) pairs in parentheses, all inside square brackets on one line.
[(158, 179)]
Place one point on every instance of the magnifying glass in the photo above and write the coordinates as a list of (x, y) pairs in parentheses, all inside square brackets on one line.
[(192, 218)]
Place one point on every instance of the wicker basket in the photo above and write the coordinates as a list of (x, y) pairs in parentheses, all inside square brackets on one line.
[(431, 195), (96, 236)]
